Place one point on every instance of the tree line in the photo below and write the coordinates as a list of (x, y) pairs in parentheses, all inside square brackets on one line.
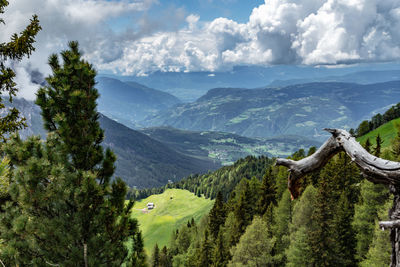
[(59, 205), (333, 223), (377, 120)]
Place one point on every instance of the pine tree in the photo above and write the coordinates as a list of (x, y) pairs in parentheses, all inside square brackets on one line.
[(205, 258), (343, 233), (254, 247), (155, 260), (165, 259), (268, 193), (366, 212), (15, 50), (396, 144), (367, 145), (217, 216), (299, 252), (138, 256), (321, 242), (378, 146), (380, 249), (67, 209), (221, 254), (282, 217), (242, 211)]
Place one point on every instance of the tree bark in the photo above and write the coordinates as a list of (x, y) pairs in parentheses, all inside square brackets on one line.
[(374, 169)]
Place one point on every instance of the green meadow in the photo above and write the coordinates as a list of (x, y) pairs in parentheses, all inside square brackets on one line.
[(386, 131), (173, 208)]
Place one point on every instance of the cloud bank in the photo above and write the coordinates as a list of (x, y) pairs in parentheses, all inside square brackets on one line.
[(311, 32)]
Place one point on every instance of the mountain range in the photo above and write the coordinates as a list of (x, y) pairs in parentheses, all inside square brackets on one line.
[(152, 157), (188, 86), (130, 102), (141, 160), (303, 109)]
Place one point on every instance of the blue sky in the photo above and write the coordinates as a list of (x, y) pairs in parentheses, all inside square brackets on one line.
[(208, 10), (138, 37)]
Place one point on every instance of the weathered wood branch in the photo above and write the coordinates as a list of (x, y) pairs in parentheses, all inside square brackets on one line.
[(374, 169), (389, 224)]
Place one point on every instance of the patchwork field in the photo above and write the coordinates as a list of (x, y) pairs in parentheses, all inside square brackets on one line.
[(173, 208)]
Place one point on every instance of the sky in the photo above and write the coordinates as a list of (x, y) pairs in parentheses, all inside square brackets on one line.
[(138, 37)]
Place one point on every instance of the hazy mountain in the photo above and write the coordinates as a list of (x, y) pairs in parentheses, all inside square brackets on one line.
[(188, 86), (226, 148), (130, 102), (362, 77), (141, 160), (299, 109)]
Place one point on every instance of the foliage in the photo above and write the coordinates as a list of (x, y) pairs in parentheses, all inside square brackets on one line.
[(15, 50), (378, 120), (254, 247), (366, 212), (380, 247), (299, 251), (63, 203)]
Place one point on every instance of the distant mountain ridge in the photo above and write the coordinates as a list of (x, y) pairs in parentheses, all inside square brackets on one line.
[(130, 102), (302, 109), (361, 77), (141, 160)]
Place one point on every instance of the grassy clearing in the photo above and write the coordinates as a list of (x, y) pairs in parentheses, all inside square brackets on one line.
[(387, 132), (173, 208)]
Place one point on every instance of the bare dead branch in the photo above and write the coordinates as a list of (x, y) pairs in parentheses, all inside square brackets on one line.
[(374, 169)]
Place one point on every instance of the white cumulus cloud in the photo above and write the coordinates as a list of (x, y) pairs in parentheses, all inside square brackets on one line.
[(312, 32)]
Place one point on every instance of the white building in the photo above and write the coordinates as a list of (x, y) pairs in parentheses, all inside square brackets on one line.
[(150, 206)]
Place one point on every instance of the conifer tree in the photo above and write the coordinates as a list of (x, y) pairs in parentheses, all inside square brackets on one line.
[(165, 259), (67, 209), (242, 211), (380, 249), (282, 217), (396, 144), (367, 145), (268, 192), (343, 233), (299, 252), (378, 146), (138, 256), (205, 258), (321, 241), (221, 254), (15, 50), (155, 261), (217, 216), (366, 212), (254, 247)]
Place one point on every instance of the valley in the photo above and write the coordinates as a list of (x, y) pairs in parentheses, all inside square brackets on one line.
[(303, 109)]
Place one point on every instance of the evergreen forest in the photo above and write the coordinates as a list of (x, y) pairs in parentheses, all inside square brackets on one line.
[(61, 204)]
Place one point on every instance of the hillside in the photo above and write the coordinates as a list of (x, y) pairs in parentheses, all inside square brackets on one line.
[(141, 160), (303, 109), (361, 77), (387, 132), (226, 148), (173, 208), (130, 102)]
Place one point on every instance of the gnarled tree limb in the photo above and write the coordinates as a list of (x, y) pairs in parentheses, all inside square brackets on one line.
[(374, 169)]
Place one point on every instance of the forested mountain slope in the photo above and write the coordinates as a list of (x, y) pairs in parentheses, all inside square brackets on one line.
[(336, 213), (141, 160), (130, 102), (299, 109), (226, 148)]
